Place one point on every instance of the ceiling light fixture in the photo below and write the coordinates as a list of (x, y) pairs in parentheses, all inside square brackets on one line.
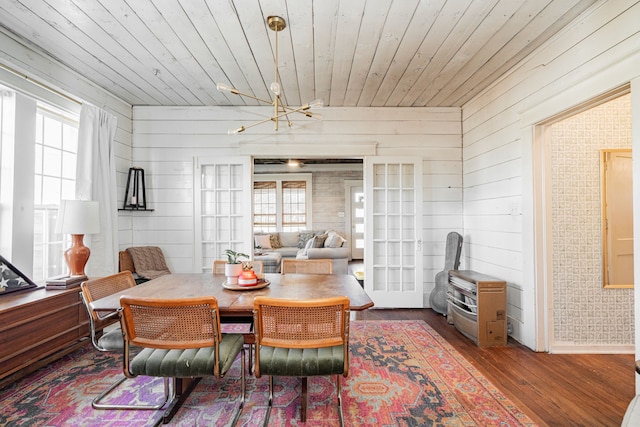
[(280, 109)]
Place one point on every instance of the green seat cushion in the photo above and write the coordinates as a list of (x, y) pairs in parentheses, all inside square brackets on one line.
[(197, 362), (302, 362), (112, 340)]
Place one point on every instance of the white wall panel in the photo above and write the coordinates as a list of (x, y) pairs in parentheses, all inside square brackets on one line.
[(591, 56), (166, 139)]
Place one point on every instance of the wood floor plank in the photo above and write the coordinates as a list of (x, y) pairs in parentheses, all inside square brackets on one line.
[(553, 389)]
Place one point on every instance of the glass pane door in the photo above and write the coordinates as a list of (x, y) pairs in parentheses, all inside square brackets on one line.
[(222, 209), (393, 253)]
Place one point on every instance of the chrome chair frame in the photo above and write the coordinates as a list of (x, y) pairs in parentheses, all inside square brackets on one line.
[(113, 340)]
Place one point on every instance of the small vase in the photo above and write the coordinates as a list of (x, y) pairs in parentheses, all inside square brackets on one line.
[(232, 271)]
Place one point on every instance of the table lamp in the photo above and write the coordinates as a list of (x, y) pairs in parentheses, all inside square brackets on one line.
[(78, 217)]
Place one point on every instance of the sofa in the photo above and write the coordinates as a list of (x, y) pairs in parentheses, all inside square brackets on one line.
[(307, 244)]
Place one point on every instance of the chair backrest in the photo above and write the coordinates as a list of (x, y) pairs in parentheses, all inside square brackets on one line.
[(317, 323), (306, 266), (125, 262), (101, 287), (218, 266), (171, 323)]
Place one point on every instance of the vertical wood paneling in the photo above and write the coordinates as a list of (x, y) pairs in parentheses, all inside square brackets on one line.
[(586, 59)]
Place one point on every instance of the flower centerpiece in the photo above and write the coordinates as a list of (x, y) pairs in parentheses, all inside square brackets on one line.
[(233, 268)]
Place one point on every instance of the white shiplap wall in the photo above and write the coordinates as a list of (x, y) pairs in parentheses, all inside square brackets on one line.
[(166, 140), (595, 54), (41, 68)]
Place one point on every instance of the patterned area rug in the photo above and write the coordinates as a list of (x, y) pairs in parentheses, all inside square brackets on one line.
[(402, 373)]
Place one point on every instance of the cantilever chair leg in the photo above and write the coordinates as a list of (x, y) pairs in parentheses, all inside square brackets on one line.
[(243, 385), (339, 391), (270, 404), (168, 395), (303, 407)]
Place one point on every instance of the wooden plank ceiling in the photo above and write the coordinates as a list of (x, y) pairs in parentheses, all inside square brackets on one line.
[(391, 53)]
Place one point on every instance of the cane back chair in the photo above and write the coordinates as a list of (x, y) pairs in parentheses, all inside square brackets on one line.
[(302, 338), (180, 338)]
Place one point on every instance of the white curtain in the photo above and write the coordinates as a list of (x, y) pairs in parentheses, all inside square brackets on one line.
[(96, 180)]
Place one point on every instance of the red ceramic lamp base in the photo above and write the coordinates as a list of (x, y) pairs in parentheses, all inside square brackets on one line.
[(77, 255)]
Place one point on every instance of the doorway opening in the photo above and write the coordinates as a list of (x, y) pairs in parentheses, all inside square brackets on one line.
[(329, 206), (573, 308)]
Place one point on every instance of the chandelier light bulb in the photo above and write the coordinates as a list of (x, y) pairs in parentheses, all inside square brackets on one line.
[(316, 103), (223, 87), (275, 88), (236, 131)]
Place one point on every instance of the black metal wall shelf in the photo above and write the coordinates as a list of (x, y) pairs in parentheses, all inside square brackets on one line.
[(138, 199)]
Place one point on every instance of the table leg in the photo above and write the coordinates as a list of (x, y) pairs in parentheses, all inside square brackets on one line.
[(184, 387)]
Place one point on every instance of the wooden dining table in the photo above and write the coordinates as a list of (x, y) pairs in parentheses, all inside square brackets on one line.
[(239, 303)]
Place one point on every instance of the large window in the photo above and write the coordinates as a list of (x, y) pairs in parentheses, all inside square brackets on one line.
[(56, 145), (281, 202)]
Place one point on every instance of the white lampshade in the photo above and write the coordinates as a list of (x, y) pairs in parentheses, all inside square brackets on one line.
[(78, 217)]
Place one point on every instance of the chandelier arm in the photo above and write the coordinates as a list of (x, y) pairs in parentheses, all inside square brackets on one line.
[(236, 92), (302, 110), (268, 119)]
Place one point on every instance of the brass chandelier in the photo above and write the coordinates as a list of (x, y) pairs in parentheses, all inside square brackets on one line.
[(280, 109)]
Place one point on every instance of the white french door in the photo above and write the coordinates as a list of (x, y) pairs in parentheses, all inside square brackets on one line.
[(393, 250), (222, 208)]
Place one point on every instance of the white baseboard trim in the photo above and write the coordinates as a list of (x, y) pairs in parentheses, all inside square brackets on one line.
[(568, 348)]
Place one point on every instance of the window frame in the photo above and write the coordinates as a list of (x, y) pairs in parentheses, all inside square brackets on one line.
[(48, 246), (279, 178), (17, 216)]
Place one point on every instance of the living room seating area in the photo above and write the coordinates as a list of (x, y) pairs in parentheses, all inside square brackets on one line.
[(306, 244)]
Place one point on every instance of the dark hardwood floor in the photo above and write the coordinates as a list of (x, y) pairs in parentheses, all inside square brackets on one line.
[(553, 389)]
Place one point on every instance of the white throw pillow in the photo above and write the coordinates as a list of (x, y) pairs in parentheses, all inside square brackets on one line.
[(263, 240), (311, 243), (334, 240)]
